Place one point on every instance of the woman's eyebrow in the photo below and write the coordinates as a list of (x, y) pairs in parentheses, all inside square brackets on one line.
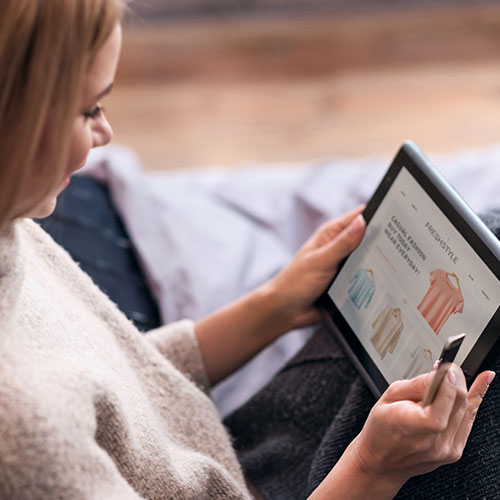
[(106, 91)]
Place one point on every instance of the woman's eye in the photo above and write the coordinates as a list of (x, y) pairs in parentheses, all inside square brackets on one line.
[(94, 113)]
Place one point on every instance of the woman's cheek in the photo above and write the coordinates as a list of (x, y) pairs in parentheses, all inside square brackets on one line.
[(80, 147)]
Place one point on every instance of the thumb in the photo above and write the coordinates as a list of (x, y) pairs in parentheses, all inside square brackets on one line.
[(412, 389), (345, 242)]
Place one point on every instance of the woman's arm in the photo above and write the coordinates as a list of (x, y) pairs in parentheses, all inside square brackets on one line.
[(231, 336), (402, 439)]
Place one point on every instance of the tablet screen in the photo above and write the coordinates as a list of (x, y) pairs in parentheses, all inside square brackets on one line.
[(413, 282)]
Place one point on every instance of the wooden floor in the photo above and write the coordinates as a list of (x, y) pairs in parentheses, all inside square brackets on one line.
[(195, 93)]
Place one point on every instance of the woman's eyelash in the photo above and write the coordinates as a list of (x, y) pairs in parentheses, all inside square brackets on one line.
[(94, 112)]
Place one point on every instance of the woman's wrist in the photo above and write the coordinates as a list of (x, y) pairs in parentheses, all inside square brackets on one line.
[(351, 479), (229, 337), (276, 313), (382, 485)]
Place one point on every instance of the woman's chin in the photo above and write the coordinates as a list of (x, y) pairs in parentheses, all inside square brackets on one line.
[(45, 209)]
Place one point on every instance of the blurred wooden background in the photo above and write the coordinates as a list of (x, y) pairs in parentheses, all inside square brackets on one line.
[(294, 87)]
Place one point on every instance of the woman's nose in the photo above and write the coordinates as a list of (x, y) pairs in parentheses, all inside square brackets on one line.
[(103, 133)]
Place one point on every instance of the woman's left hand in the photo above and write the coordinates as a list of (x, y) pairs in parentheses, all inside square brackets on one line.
[(306, 277), (228, 338)]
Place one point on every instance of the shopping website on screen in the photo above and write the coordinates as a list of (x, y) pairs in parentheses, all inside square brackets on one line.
[(413, 282)]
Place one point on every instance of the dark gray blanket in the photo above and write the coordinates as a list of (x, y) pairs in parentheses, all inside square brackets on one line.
[(291, 433)]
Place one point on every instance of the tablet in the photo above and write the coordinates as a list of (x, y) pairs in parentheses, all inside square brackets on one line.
[(427, 268)]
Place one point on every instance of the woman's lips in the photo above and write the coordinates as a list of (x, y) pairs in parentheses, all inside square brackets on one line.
[(65, 182)]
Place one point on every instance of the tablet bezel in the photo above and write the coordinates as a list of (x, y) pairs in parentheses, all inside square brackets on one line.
[(468, 224)]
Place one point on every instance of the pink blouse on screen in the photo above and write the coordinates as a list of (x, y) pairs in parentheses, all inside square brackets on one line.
[(441, 300)]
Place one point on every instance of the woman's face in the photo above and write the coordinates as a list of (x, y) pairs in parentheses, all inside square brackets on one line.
[(90, 128)]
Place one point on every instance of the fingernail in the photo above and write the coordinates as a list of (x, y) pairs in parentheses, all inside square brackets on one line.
[(436, 364), (490, 378), (452, 376), (356, 226)]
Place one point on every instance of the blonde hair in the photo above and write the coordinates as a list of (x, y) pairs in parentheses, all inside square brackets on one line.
[(46, 48)]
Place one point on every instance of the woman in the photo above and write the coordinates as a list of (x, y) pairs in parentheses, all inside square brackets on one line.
[(88, 407)]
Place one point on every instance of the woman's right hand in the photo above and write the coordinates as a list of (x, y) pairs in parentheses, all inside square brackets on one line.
[(402, 439)]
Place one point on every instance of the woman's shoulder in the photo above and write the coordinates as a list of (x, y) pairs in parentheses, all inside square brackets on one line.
[(55, 290), (47, 261), (36, 238), (38, 247)]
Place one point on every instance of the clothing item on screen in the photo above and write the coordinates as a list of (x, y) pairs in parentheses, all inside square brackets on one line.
[(362, 287), (443, 298), (421, 362), (388, 328)]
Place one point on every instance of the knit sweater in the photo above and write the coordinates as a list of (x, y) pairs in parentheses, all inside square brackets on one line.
[(89, 407)]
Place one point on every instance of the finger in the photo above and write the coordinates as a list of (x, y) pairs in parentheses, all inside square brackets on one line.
[(331, 229), (457, 415), (441, 409), (474, 399), (347, 241), (411, 390)]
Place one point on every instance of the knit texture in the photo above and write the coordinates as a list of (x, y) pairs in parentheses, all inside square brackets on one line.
[(89, 407), (290, 435)]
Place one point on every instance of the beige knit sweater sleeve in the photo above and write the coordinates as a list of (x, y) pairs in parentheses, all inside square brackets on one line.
[(46, 455), (177, 342)]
